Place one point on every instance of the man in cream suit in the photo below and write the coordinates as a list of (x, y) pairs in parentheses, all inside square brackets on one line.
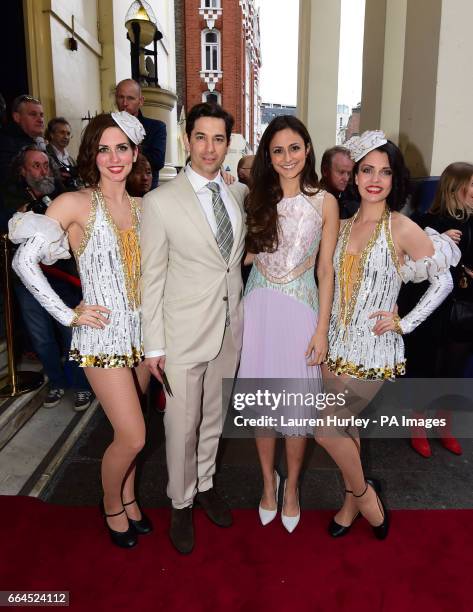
[(192, 242)]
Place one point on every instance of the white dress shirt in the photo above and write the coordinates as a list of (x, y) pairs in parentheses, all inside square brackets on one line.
[(199, 184), (204, 195)]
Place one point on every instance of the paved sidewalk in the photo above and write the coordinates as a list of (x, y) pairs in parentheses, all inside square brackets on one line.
[(410, 481)]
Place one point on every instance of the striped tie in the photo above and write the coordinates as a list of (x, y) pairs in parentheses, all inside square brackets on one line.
[(224, 235)]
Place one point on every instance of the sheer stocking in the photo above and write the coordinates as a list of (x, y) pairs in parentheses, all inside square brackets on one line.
[(117, 393)]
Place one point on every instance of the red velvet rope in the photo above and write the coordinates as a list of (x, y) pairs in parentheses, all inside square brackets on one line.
[(61, 275)]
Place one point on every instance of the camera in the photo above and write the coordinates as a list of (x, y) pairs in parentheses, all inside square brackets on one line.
[(70, 178), (39, 206)]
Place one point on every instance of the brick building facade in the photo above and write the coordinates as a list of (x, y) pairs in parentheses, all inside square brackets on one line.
[(219, 59)]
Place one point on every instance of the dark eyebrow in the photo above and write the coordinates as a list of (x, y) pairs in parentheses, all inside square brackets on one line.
[(204, 134), (118, 145), (289, 145), (364, 165)]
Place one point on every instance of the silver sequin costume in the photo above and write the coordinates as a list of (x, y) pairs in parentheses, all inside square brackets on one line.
[(104, 277), (353, 348)]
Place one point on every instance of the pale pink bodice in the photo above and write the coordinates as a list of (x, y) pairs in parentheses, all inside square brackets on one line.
[(300, 229)]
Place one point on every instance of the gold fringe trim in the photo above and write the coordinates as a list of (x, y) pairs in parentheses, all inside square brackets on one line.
[(340, 366), (348, 271), (131, 257), (102, 360)]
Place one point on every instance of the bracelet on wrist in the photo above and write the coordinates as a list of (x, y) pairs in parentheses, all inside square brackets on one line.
[(75, 319), (397, 325)]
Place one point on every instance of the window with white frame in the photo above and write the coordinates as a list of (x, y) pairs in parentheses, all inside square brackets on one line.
[(211, 50), (213, 97), (210, 4)]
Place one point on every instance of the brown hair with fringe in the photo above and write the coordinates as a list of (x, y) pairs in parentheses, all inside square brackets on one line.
[(89, 147)]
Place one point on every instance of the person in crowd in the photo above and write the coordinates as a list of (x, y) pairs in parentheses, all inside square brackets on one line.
[(291, 224), (377, 249), (26, 128), (59, 134), (336, 169), (31, 183), (140, 178), (441, 346), (33, 188), (192, 242), (102, 224), (129, 98), (244, 169)]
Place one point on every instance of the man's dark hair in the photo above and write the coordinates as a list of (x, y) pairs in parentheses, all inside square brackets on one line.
[(52, 124), (327, 157), (209, 110)]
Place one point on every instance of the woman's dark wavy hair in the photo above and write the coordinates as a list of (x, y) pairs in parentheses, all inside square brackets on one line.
[(89, 148), (265, 193), (400, 177)]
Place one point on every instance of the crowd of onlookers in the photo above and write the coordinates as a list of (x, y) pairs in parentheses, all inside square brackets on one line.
[(35, 167)]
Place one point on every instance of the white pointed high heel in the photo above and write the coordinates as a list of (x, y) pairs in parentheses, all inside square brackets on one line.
[(266, 516), (290, 522)]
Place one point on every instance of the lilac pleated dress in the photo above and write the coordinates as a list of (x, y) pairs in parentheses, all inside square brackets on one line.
[(281, 304)]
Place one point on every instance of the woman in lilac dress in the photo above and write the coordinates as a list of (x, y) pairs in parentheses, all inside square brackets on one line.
[(290, 222)]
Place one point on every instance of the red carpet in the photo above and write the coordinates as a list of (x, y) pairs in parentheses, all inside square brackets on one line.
[(425, 564)]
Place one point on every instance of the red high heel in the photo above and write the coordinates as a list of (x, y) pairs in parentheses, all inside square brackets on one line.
[(420, 442), (447, 440), (452, 445), (421, 446)]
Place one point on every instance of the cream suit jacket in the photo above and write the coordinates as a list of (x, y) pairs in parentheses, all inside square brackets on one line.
[(185, 282)]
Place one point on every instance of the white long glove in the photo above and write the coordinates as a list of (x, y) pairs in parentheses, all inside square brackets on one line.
[(440, 286), (42, 239), (436, 270)]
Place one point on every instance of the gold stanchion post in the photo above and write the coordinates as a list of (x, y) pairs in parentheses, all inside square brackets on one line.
[(18, 382)]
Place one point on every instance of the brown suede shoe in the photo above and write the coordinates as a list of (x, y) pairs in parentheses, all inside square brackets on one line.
[(215, 507), (182, 530)]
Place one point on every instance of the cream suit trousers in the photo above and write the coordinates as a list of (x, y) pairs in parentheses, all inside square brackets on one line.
[(193, 421)]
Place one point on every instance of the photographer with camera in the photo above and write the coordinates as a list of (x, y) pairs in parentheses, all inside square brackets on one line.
[(58, 134), (31, 184), (32, 187)]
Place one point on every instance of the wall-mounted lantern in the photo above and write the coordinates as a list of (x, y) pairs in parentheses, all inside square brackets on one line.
[(142, 27)]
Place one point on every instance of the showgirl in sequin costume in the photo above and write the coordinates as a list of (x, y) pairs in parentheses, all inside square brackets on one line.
[(377, 250), (101, 224), (290, 221)]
